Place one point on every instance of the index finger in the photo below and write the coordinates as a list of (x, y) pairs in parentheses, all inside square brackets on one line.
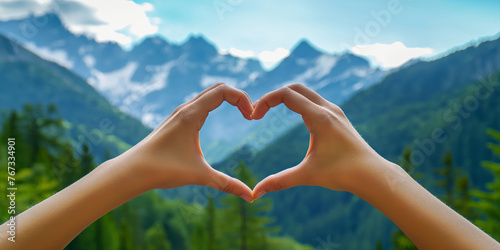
[(213, 98), (295, 101)]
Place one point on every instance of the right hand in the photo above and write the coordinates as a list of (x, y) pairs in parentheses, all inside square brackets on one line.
[(338, 158)]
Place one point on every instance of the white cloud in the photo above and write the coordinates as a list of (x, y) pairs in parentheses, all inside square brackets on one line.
[(390, 55), (239, 53), (121, 21), (274, 55), (268, 57)]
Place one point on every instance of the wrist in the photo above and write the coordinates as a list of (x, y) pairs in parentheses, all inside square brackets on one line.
[(131, 171), (377, 176)]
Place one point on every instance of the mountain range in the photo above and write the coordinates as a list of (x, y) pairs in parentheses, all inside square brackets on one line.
[(397, 110), (155, 76)]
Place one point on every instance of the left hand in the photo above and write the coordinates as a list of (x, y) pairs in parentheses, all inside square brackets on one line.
[(171, 156)]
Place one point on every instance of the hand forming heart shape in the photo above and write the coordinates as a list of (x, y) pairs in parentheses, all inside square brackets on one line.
[(337, 156)]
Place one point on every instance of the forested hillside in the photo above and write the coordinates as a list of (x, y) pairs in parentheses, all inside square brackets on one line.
[(26, 78), (455, 97)]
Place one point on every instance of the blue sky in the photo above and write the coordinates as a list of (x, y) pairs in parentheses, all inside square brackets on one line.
[(262, 25), (388, 32), (265, 25)]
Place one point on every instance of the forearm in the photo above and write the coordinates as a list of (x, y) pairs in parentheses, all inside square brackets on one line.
[(428, 222), (54, 222)]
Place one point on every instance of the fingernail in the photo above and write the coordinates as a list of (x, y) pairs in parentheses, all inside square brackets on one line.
[(260, 194), (247, 198)]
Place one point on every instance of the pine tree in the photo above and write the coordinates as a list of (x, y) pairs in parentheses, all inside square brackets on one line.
[(126, 230), (464, 198), (33, 172), (67, 169), (245, 225), (132, 230), (156, 238), (488, 202), (199, 239), (86, 160), (456, 187), (449, 178), (43, 127)]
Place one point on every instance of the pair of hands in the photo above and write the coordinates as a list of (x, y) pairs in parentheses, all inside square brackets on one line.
[(337, 157)]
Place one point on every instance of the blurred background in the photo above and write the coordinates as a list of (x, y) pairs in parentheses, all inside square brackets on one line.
[(83, 81)]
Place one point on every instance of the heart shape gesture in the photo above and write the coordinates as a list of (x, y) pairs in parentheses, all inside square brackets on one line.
[(337, 157), (171, 155)]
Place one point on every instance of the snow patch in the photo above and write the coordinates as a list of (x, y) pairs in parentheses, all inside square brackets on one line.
[(225, 64), (85, 49), (323, 65), (116, 83), (240, 66), (119, 87), (253, 76), (89, 61), (358, 86), (58, 56)]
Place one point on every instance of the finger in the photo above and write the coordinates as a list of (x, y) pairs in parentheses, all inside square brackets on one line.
[(206, 90), (287, 178), (292, 99), (213, 98), (308, 93), (197, 96), (230, 185)]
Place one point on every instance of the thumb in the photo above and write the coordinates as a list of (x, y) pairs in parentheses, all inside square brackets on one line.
[(287, 178), (230, 185)]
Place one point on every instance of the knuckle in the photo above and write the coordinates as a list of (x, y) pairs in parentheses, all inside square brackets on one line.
[(227, 187), (265, 96), (276, 184), (221, 182), (331, 114), (220, 85), (186, 114), (287, 90), (337, 110), (296, 86), (324, 115), (179, 108)]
